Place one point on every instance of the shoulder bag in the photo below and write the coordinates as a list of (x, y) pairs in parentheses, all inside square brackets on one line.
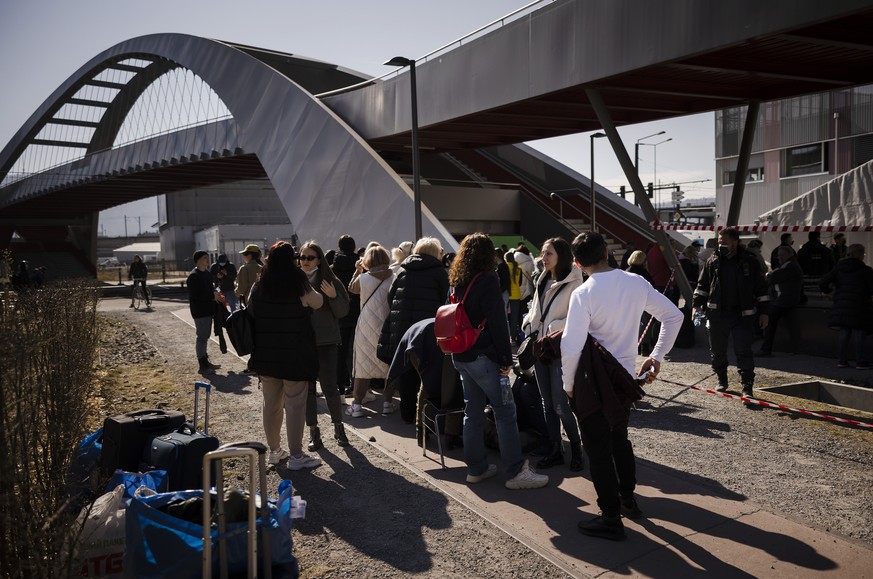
[(526, 355)]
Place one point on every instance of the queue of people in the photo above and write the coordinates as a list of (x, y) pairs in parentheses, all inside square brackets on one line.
[(300, 304)]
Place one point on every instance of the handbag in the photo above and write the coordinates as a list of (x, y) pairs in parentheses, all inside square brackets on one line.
[(548, 348), (454, 332), (240, 328), (527, 350)]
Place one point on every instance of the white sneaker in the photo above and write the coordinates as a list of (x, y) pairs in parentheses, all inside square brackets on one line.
[(303, 460), (489, 472), (387, 407), (277, 456), (354, 410), (527, 478), (368, 397)]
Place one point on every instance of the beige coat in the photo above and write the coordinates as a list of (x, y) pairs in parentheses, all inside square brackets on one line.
[(246, 277), (557, 314)]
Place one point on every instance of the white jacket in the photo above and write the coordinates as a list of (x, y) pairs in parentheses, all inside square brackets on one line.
[(374, 310), (525, 262), (557, 314)]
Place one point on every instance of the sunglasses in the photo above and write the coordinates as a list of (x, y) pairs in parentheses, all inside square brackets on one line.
[(307, 257)]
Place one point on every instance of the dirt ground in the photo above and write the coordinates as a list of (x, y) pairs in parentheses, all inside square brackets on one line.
[(368, 516)]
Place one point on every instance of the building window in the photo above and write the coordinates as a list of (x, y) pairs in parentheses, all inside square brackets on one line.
[(755, 174), (805, 160)]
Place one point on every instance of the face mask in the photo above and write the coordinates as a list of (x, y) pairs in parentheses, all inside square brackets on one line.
[(723, 250), (222, 262)]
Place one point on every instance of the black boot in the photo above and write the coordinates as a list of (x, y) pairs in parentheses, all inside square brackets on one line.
[(577, 460), (339, 433), (222, 344), (556, 456), (314, 439), (206, 365)]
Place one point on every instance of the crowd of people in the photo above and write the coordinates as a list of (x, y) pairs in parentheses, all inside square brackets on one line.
[(349, 318)]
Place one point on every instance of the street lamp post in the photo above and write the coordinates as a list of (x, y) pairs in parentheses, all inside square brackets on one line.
[(655, 167), (637, 150), (592, 184), (416, 170)]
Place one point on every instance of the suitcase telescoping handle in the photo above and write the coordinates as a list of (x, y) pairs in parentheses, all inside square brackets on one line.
[(208, 387), (248, 450)]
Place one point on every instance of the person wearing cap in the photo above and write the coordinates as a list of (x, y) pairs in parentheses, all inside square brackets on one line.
[(202, 301), (248, 272), (223, 276)]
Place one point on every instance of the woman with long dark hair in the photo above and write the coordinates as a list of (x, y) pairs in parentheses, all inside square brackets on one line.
[(482, 366), (285, 355), (325, 321), (548, 313)]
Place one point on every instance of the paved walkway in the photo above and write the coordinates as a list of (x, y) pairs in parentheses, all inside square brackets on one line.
[(689, 530)]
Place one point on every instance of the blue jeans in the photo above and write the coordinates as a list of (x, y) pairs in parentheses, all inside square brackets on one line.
[(203, 326), (481, 382), (556, 406), (231, 300), (859, 337)]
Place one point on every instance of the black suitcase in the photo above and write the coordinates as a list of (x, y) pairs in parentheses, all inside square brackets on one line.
[(125, 436), (181, 452)]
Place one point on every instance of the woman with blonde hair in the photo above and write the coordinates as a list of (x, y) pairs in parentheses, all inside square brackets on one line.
[(420, 287), (371, 281), (637, 264)]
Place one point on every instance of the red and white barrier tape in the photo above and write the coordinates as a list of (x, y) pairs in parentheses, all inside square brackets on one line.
[(748, 400), (775, 228)]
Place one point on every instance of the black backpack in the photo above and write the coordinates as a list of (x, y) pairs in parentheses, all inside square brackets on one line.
[(240, 328)]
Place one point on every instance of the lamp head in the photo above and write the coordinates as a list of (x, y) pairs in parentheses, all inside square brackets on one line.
[(400, 61)]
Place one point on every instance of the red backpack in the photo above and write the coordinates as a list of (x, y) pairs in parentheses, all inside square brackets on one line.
[(455, 333)]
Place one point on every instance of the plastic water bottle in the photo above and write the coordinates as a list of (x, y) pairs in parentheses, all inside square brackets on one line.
[(505, 389), (698, 319)]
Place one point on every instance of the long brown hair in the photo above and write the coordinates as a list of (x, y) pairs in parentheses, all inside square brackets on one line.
[(280, 276), (476, 255), (324, 270)]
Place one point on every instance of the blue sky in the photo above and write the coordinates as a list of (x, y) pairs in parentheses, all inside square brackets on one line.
[(43, 42)]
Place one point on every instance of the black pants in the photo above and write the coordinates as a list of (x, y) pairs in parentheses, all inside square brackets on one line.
[(344, 357), (408, 386), (723, 325), (790, 315), (611, 458), (327, 379)]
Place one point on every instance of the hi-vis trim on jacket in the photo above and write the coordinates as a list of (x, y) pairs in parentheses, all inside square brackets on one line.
[(753, 297)]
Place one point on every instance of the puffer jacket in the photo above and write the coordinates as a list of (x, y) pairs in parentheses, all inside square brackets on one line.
[(853, 297), (374, 288), (284, 338), (420, 288), (526, 263), (556, 317)]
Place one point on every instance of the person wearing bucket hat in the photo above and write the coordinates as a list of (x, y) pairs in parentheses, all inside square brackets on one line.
[(248, 272), (202, 302)]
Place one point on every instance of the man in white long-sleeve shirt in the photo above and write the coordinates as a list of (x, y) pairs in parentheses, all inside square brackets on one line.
[(608, 306)]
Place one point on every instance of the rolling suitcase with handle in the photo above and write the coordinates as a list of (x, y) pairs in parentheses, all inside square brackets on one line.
[(125, 436), (181, 452)]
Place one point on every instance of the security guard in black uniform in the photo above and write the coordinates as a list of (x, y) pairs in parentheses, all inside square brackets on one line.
[(733, 294)]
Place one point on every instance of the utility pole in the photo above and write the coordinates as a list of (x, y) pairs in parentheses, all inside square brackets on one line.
[(139, 223), (125, 225)]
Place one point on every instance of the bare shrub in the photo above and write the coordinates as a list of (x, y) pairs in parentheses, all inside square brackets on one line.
[(48, 342)]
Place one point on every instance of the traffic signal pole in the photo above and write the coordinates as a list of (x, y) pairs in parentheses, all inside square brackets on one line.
[(627, 166)]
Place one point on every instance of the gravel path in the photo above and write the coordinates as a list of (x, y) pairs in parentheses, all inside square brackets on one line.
[(369, 516)]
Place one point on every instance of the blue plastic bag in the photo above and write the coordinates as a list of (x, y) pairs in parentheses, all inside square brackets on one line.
[(155, 480), (83, 474), (161, 545)]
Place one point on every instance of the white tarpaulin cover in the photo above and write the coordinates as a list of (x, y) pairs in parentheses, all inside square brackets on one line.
[(847, 200)]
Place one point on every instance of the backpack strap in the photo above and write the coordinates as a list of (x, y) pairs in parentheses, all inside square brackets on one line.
[(469, 285)]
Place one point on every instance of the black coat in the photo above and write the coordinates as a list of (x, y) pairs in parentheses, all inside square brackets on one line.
[(853, 298), (815, 258), (420, 288), (344, 268), (485, 302), (201, 299), (284, 338), (786, 283)]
